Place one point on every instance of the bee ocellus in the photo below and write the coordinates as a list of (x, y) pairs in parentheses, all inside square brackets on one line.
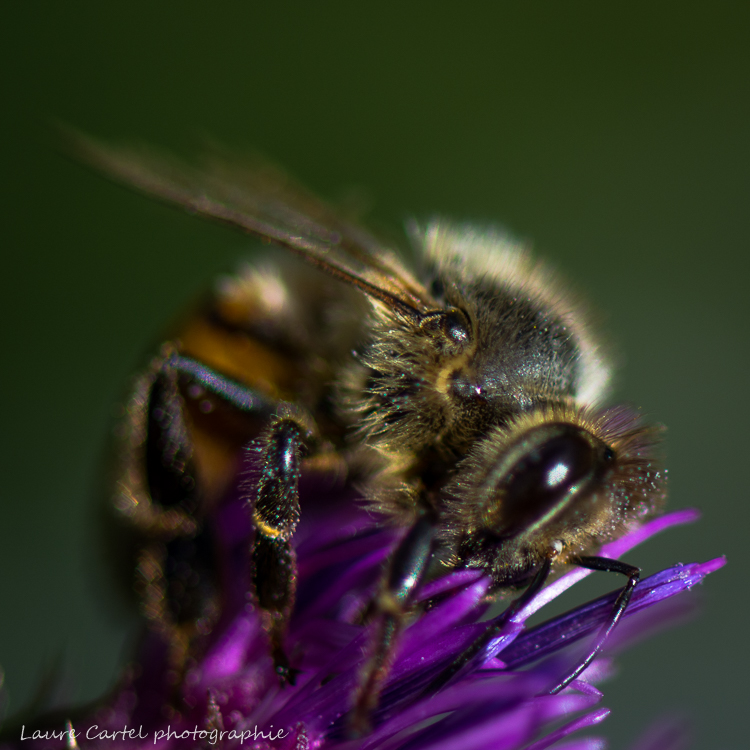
[(463, 391)]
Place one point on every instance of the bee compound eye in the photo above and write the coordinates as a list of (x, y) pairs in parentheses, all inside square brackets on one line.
[(546, 478)]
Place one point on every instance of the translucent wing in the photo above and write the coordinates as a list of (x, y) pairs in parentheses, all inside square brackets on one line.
[(262, 201)]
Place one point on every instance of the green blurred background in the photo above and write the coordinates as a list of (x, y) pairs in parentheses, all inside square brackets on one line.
[(617, 141)]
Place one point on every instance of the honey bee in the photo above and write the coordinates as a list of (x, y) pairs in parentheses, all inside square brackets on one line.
[(464, 395)]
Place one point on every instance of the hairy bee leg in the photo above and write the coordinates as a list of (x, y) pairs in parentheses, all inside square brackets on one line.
[(275, 502), (495, 628), (404, 574), (608, 566), (174, 576), (276, 513), (274, 581)]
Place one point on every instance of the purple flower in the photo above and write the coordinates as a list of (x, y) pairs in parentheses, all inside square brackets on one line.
[(231, 697)]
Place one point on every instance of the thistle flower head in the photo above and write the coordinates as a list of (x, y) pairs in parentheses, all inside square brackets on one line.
[(230, 696)]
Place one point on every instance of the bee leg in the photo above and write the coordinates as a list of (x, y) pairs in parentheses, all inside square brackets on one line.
[(609, 566), (275, 502), (159, 496), (241, 397), (495, 627), (275, 516), (403, 576)]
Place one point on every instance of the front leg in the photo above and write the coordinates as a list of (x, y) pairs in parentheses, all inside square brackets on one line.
[(609, 566), (392, 607), (276, 513)]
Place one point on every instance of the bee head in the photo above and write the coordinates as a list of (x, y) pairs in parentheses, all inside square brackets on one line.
[(554, 482)]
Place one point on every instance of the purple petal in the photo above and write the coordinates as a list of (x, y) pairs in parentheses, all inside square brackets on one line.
[(503, 691), (490, 725), (448, 582), (446, 614), (557, 633), (229, 653)]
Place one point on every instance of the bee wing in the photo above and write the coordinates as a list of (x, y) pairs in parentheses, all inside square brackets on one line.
[(262, 201)]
